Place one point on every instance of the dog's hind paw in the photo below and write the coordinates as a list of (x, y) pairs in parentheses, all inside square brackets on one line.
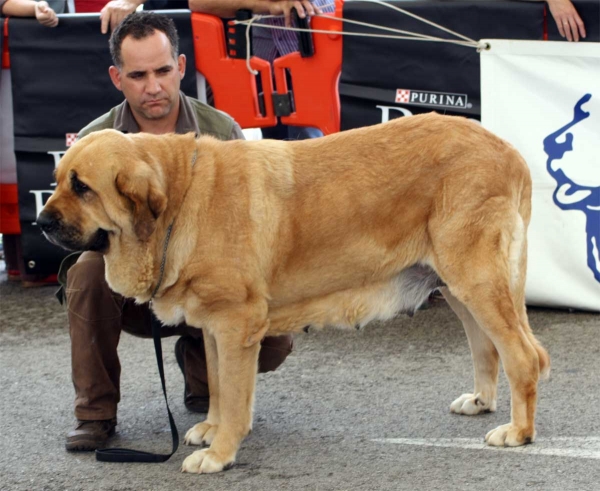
[(204, 461), (200, 434), (472, 404)]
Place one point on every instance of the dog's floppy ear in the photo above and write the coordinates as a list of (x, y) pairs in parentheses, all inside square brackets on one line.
[(147, 198)]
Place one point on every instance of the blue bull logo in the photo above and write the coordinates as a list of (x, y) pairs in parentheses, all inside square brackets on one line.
[(570, 195)]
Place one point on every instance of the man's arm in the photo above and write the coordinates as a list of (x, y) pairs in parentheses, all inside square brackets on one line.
[(30, 8), (227, 8), (115, 11)]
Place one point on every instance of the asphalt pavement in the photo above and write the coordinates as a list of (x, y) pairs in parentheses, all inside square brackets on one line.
[(348, 410)]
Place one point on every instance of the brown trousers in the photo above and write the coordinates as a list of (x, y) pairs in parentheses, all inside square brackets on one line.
[(96, 317)]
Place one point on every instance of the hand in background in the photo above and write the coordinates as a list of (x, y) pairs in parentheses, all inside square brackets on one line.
[(567, 19), (115, 11), (45, 15), (284, 7)]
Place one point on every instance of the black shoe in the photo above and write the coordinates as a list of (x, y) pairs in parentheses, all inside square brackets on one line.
[(90, 435), (193, 403)]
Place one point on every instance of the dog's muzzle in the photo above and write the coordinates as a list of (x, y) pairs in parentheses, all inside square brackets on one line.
[(68, 236), (48, 222)]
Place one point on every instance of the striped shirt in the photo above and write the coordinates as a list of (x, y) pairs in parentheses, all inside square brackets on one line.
[(269, 44)]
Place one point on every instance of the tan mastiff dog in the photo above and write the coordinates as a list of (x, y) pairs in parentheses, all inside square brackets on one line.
[(269, 237)]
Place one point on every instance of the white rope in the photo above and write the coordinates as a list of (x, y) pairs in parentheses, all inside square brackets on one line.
[(472, 44), (412, 36), (383, 28), (254, 18), (415, 16)]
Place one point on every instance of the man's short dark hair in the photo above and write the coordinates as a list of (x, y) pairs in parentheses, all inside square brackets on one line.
[(141, 25)]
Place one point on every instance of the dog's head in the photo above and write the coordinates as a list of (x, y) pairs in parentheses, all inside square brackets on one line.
[(108, 188)]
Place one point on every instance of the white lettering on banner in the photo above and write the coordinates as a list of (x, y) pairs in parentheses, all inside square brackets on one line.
[(57, 156), (39, 194), (385, 112), (39, 200), (429, 98)]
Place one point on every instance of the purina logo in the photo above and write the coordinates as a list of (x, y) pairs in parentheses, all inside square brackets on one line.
[(426, 98), (70, 138)]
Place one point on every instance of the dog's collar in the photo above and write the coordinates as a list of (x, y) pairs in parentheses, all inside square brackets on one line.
[(164, 258)]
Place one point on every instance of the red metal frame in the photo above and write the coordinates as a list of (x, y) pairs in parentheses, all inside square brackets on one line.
[(9, 200), (9, 210), (5, 57), (315, 78)]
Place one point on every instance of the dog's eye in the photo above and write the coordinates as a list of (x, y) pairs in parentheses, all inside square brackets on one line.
[(79, 187)]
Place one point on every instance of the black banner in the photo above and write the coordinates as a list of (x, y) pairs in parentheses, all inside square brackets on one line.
[(423, 76), (60, 83)]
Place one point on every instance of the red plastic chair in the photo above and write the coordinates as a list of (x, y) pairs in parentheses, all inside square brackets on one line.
[(315, 78), (234, 87)]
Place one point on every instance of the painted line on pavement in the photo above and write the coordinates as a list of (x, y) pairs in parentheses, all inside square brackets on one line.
[(575, 447)]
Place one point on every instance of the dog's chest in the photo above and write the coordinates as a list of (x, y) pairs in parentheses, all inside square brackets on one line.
[(169, 314)]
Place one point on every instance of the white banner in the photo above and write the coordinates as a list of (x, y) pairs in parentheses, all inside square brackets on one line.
[(544, 98)]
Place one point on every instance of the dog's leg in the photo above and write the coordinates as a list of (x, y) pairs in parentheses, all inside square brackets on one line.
[(485, 364), (237, 367), (520, 359), (491, 304), (484, 271), (204, 433)]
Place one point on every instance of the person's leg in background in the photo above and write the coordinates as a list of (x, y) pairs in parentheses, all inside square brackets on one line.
[(284, 132), (11, 256), (94, 314), (189, 351), (303, 132), (278, 132), (97, 315)]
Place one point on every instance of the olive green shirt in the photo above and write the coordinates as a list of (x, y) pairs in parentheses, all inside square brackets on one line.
[(194, 116)]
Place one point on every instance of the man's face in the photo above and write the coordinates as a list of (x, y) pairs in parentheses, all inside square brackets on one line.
[(149, 76)]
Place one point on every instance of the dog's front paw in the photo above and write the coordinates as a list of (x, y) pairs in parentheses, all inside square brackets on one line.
[(472, 404), (200, 434), (510, 436), (205, 461)]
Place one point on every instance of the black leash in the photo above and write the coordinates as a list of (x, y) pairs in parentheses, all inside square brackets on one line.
[(127, 455)]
